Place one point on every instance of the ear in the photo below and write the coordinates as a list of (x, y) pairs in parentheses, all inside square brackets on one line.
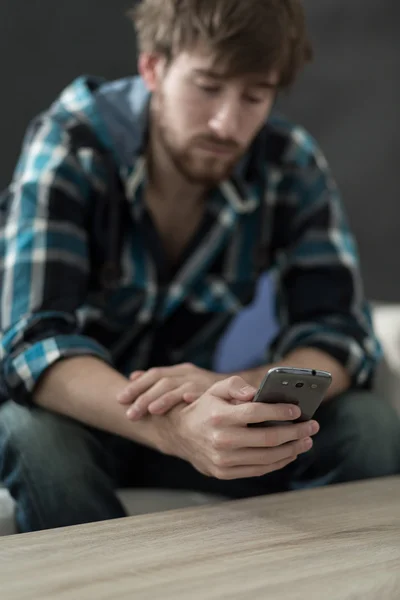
[(151, 68)]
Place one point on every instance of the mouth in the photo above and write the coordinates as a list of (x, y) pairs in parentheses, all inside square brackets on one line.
[(217, 150)]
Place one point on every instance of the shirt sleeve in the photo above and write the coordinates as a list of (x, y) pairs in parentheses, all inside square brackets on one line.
[(44, 270), (320, 297)]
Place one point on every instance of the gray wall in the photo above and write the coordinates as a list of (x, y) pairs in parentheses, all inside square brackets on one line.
[(348, 98), (44, 45)]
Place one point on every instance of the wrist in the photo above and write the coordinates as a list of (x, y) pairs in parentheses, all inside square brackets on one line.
[(168, 431), (217, 377)]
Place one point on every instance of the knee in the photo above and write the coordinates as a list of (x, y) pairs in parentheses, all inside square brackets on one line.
[(367, 417), (367, 433), (53, 467), (38, 439), (25, 429)]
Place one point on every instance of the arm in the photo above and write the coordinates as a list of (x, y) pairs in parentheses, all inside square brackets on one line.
[(45, 268), (212, 435), (43, 284), (324, 319), (84, 389), (159, 390)]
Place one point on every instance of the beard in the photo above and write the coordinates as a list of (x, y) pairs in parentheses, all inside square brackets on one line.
[(196, 165)]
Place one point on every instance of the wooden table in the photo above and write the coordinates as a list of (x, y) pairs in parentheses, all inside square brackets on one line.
[(336, 543)]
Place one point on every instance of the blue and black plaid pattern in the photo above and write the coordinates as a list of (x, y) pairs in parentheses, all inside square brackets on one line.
[(281, 210)]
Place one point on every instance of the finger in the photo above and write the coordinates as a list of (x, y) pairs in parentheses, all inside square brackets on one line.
[(140, 386), (138, 409), (264, 437), (232, 388), (190, 397), (263, 457), (166, 402), (141, 406), (171, 399), (259, 412), (136, 375), (242, 400), (251, 471), (127, 396)]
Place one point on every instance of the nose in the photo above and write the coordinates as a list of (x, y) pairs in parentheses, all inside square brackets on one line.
[(225, 121)]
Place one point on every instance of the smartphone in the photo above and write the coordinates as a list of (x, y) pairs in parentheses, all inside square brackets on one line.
[(305, 388)]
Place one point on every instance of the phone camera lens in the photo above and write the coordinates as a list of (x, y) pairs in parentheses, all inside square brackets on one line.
[(299, 384)]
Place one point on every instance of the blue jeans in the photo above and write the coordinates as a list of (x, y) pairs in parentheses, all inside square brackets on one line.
[(62, 473)]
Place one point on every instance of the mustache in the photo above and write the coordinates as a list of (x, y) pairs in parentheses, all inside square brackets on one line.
[(218, 143)]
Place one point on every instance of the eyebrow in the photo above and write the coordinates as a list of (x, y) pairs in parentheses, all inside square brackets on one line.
[(220, 76)]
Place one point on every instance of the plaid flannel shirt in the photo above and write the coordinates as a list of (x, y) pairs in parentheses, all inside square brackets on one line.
[(281, 210)]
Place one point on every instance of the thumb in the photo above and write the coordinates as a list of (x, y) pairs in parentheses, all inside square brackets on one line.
[(233, 388)]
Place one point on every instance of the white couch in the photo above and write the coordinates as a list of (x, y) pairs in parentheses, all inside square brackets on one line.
[(387, 323)]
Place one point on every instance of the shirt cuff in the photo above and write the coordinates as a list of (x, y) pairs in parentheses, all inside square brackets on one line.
[(22, 372)]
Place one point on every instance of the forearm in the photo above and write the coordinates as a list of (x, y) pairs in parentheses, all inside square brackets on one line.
[(85, 389), (306, 358)]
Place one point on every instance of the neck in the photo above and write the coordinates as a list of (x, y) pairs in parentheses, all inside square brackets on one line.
[(164, 178)]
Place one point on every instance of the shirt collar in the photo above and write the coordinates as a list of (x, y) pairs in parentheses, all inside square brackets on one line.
[(235, 191)]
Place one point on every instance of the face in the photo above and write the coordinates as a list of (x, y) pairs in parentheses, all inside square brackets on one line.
[(204, 121)]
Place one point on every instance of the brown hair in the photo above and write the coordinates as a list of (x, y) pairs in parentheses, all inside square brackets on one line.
[(246, 36)]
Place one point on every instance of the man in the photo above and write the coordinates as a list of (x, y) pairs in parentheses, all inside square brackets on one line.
[(138, 220)]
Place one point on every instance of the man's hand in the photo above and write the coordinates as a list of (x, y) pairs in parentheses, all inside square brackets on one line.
[(212, 433), (160, 389)]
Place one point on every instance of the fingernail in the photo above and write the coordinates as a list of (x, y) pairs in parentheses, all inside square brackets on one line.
[(248, 389), (307, 444), (314, 428), (132, 413), (294, 412)]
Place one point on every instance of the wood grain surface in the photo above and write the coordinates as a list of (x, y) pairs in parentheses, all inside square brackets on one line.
[(341, 542)]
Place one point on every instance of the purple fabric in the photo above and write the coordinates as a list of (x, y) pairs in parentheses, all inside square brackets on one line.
[(246, 342)]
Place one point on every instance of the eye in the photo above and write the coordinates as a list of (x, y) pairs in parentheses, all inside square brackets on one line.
[(254, 100), (208, 88), (257, 96)]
